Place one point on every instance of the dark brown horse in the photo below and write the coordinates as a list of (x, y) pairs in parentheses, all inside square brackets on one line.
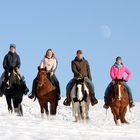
[(119, 101), (46, 93)]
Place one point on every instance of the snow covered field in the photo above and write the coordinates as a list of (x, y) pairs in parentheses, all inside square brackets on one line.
[(61, 127)]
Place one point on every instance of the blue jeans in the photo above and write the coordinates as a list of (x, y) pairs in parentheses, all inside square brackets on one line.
[(72, 82), (109, 88)]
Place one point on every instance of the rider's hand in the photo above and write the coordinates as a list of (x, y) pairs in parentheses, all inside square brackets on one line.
[(125, 80), (51, 74), (113, 82)]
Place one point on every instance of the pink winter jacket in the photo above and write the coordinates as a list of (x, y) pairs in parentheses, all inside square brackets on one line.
[(119, 73)]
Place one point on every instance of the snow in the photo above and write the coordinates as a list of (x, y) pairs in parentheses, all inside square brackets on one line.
[(62, 126)]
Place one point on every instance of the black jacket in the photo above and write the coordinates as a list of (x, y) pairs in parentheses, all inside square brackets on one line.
[(81, 68), (11, 61)]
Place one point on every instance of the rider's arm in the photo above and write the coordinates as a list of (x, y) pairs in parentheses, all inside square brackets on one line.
[(129, 74), (88, 71), (112, 75), (18, 62), (54, 66), (74, 69), (5, 66), (42, 64)]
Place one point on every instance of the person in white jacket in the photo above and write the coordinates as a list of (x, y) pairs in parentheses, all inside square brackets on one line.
[(50, 62)]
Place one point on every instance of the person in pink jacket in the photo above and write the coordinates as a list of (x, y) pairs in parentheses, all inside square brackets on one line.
[(117, 71)]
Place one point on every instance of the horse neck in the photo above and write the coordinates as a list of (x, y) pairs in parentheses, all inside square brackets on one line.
[(48, 86), (79, 92)]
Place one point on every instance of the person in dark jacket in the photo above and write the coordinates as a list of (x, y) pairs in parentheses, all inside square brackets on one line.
[(81, 69), (12, 62)]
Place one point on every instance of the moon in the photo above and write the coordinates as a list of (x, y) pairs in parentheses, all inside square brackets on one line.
[(106, 31)]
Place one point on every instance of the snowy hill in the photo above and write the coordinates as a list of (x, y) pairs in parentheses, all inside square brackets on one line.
[(61, 127)]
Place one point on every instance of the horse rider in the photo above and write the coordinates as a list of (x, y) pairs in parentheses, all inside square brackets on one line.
[(118, 70), (50, 62), (80, 69), (12, 62)]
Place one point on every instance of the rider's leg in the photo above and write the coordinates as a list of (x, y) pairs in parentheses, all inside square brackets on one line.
[(68, 90), (26, 90), (2, 79), (18, 71), (33, 93), (107, 91), (56, 83), (130, 95), (1, 84), (92, 95)]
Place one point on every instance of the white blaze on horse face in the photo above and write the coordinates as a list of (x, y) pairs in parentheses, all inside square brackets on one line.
[(120, 95), (79, 92)]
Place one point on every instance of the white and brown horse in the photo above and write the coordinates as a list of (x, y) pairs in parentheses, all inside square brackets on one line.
[(80, 100)]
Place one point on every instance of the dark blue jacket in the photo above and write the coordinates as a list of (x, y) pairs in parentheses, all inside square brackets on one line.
[(11, 61)]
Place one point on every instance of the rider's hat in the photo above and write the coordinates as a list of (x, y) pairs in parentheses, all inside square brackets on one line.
[(118, 58), (79, 52), (12, 46)]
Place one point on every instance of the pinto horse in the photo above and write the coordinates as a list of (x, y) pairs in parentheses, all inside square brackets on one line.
[(14, 92), (119, 101), (46, 93), (80, 100)]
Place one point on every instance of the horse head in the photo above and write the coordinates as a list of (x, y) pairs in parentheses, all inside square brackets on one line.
[(13, 79), (41, 76), (119, 88), (80, 88)]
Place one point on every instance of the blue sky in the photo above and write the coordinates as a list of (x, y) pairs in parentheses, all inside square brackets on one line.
[(103, 29)]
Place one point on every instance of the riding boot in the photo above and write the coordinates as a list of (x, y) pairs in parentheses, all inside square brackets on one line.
[(67, 101), (69, 87), (33, 93), (55, 82), (106, 105), (93, 99), (2, 89), (24, 87), (131, 102), (58, 93)]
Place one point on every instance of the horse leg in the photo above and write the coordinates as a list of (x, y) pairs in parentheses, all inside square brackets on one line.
[(41, 107), (9, 103), (76, 108), (116, 115), (53, 108), (17, 106), (84, 110), (46, 109), (123, 113)]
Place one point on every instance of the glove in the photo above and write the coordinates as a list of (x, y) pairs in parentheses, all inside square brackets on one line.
[(51, 74), (125, 80), (113, 82)]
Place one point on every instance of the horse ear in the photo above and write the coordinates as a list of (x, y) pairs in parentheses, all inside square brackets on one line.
[(38, 68), (45, 69)]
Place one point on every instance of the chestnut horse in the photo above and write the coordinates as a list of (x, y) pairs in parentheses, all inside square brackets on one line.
[(46, 93), (119, 101)]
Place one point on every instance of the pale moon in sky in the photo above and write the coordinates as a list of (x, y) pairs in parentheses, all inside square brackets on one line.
[(106, 31)]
